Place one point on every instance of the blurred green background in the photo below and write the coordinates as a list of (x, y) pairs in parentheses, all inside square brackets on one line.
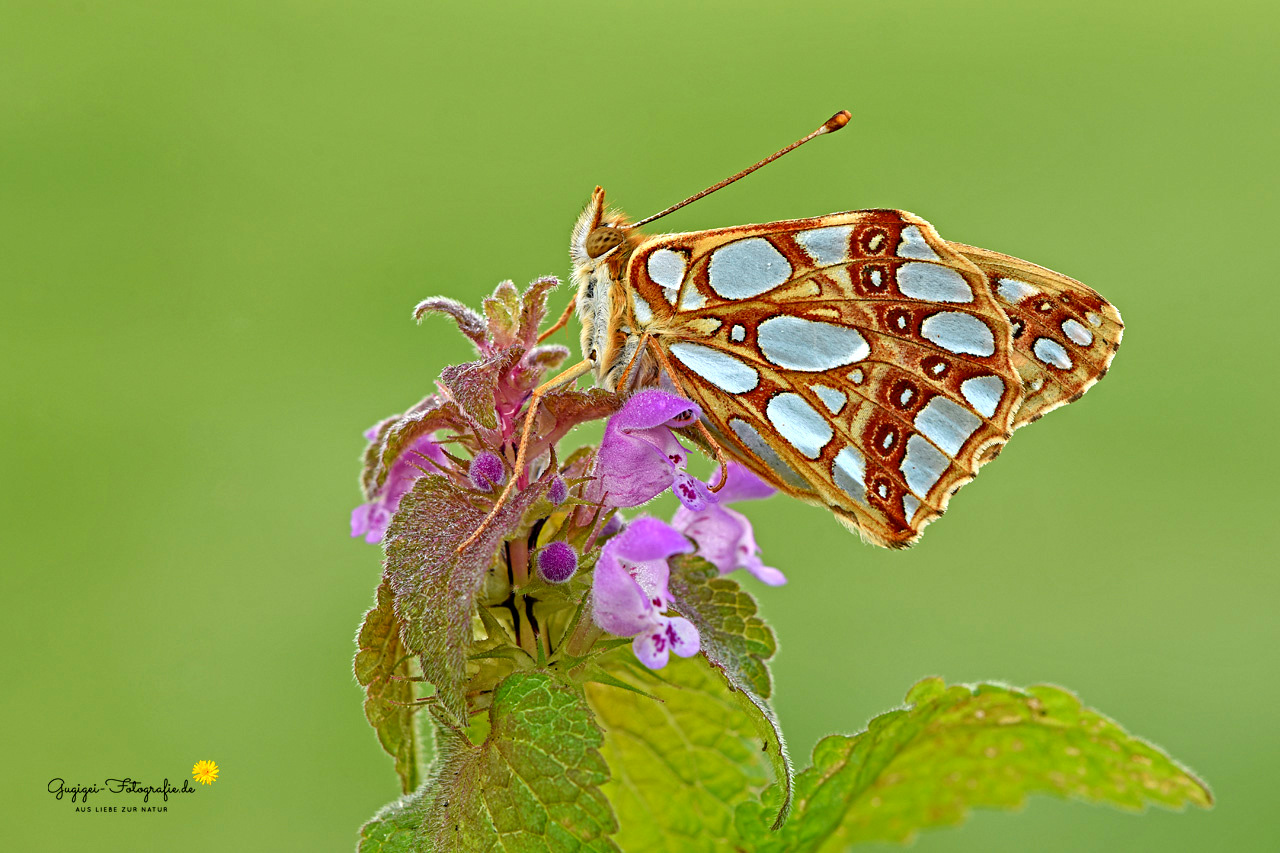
[(215, 218)]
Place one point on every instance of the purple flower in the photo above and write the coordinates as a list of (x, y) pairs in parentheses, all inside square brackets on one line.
[(724, 535), (613, 526), (370, 520), (557, 562), (629, 593), (640, 458)]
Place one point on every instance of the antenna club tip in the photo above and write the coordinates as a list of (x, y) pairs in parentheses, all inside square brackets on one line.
[(837, 121)]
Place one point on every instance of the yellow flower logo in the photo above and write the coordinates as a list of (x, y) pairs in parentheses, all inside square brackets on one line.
[(205, 772)]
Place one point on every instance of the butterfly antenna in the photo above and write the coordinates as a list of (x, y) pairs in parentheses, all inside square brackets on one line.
[(831, 125)]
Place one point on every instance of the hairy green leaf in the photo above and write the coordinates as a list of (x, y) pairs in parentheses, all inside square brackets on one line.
[(501, 312), (396, 434), (469, 322), (737, 642), (435, 583), (473, 385), (962, 747), (382, 668), (680, 765), (546, 357), (396, 828), (534, 308), (561, 411), (533, 784)]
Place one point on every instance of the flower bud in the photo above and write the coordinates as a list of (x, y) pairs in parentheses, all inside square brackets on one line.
[(557, 562), (487, 471), (558, 491)]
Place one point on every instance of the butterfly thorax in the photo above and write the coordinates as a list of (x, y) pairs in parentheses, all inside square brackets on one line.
[(600, 248)]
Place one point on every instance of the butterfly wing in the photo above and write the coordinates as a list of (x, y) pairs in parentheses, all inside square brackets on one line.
[(854, 360), (1064, 334)]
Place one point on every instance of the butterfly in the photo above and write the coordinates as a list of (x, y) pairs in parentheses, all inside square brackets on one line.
[(857, 361)]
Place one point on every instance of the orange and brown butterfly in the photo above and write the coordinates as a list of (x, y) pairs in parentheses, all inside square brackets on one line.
[(856, 360)]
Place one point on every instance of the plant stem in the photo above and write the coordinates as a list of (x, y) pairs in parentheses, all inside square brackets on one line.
[(519, 550), (584, 634)]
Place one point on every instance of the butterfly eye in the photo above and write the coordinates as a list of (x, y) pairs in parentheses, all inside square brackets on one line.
[(602, 240)]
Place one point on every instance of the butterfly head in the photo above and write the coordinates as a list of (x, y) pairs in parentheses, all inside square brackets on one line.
[(602, 242), (598, 234)]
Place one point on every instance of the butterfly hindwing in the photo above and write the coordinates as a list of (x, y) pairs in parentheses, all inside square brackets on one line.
[(855, 360), (1064, 334)]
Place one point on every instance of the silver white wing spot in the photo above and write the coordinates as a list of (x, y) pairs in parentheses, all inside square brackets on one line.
[(831, 398), (1076, 331), (799, 344), (959, 333), (666, 267), (983, 393), (747, 268), (747, 434), (1013, 291), (719, 368), (914, 245), (923, 465), (827, 246), (644, 314), (946, 423), (1052, 353), (849, 470), (799, 423), (933, 283)]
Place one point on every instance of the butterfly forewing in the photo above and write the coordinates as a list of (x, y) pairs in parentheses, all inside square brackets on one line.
[(1064, 334), (855, 360)]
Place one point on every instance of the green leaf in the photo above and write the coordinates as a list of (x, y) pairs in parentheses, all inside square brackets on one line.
[(395, 828), (546, 357), (566, 409), (532, 785), (502, 311), (534, 308), (680, 765), (382, 668), (396, 434), (469, 322), (962, 747), (435, 584), (473, 385), (737, 642)]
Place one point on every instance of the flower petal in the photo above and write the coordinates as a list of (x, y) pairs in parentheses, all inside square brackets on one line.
[(765, 574), (743, 485), (651, 648), (360, 519), (725, 539), (372, 519), (683, 637), (651, 408), (718, 531), (647, 538), (630, 584), (618, 604), (675, 634), (639, 457)]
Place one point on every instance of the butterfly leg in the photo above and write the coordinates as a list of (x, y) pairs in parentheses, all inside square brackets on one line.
[(702, 428), (562, 322), (626, 371), (535, 398)]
